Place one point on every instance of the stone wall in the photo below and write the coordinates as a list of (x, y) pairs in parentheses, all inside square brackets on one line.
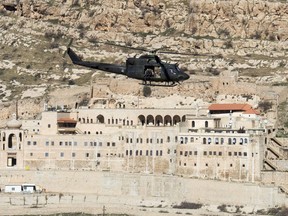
[(133, 189)]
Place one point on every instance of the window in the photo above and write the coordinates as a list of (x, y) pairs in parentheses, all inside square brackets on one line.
[(222, 141), (195, 152), (73, 154), (192, 139), (245, 154), (60, 143), (204, 153), (34, 143), (113, 144), (204, 140), (98, 155), (31, 154), (75, 143), (52, 143), (46, 154), (29, 143), (108, 144), (49, 125), (85, 143), (47, 143), (193, 124), (61, 154), (229, 141), (87, 155), (235, 153), (220, 153), (216, 140), (230, 153), (206, 124)]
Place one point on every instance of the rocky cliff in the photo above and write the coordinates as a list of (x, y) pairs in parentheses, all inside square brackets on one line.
[(242, 37)]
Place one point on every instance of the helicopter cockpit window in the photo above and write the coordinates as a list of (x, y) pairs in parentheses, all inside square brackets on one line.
[(177, 68)]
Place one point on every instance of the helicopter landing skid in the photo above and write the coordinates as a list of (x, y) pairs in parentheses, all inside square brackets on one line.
[(167, 84)]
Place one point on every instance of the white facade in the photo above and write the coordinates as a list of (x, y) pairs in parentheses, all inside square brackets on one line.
[(169, 141)]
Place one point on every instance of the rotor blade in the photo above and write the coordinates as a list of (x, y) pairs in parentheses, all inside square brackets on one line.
[(187, 54), (123, 46)]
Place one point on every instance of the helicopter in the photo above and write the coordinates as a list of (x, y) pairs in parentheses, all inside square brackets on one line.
[(148, 67)]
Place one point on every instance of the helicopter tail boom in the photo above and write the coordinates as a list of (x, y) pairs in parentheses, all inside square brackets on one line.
[(112, 68), (73, 56)]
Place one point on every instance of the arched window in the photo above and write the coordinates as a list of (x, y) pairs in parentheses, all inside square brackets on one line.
[(168, 139), (184, 118), (150, 120), (216, 140), (141, 119), (193, 124), (167, 120), (234, 141), (100, 119), (12, 141), (206, 124), (229, 141), (159, 120), (204, 140), (181, 140), (192, 139), (209, 140), (222, 141), (176, 119), (241, 141), (186, 140)]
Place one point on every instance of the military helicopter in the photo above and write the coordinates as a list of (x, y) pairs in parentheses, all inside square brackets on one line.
[(148, 67)]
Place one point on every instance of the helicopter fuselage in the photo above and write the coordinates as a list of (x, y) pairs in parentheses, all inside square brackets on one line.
[(146, 68)]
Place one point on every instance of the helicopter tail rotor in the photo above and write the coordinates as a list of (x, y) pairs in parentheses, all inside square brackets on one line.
[(68, 46)]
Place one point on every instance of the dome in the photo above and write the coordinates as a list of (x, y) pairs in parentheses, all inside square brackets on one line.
[(14, 123)]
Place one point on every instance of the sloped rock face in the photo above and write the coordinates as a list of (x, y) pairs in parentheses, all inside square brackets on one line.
[(243, 37), (256, 19), (239, 19)]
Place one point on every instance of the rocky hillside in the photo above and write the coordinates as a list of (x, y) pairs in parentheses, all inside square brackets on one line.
[(247, 38)]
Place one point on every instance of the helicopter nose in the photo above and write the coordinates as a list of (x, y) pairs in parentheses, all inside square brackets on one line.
[(184, 76)]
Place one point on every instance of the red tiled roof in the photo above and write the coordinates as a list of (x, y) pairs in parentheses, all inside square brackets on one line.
[(252, 111), (66, 120), (246, 108), (243, 107)]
